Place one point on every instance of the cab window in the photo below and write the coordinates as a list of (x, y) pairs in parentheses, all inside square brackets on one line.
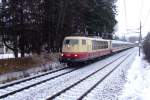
[(71, 42)]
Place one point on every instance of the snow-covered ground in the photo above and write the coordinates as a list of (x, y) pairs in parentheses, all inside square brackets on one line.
[(137, 86), (4, 56), (112, 86), (131, 81), (9, 55)]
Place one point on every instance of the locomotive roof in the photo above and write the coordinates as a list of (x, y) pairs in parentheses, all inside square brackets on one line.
[(82, 37), (97, 38)]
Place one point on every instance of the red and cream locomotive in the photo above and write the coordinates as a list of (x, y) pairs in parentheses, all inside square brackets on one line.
[(80, 49)]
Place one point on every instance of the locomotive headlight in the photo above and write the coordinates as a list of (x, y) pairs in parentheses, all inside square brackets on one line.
[(68, 46), (62, 54), (76, 55)]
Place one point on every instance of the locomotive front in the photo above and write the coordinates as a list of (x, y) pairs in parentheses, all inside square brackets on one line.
[(70, 50)]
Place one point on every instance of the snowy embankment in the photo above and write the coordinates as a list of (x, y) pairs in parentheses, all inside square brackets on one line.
[(137, 86), (32, 71), (28, 72)]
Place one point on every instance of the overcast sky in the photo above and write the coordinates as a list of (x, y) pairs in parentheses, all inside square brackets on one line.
[(130, 12)]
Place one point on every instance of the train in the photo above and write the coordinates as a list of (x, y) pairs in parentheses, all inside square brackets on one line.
[(78, 49)]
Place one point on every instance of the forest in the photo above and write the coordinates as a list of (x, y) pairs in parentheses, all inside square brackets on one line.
[(34, 26)]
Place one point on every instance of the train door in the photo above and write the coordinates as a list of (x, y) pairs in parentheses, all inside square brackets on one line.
[(83, 45), (89, 48), (110, 46)]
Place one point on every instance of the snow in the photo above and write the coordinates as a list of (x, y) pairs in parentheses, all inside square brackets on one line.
[(137, 86), (10, 55), (131, 81), (4, 56)]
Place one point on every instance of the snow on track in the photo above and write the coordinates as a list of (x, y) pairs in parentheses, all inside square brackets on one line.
[(83, 87)]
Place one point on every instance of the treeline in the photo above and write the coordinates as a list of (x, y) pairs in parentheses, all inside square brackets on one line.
[(34, 25), (146, 47)]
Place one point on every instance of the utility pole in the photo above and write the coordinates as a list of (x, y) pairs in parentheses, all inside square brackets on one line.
[(140, 37)]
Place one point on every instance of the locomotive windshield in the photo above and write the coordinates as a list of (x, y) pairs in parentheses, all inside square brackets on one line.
[(71, 42)]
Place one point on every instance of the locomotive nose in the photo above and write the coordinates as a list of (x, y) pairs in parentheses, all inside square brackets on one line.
[(69, 55)]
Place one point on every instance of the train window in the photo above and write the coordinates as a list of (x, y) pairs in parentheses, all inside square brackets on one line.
[(99, 45), (67, 42), (83, 42), (106, 44), (103, 45), (94, 45), (71, 41)]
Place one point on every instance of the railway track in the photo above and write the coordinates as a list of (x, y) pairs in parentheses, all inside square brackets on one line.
[(32, 81), (53, 90), (30, 78), (80, 89)]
